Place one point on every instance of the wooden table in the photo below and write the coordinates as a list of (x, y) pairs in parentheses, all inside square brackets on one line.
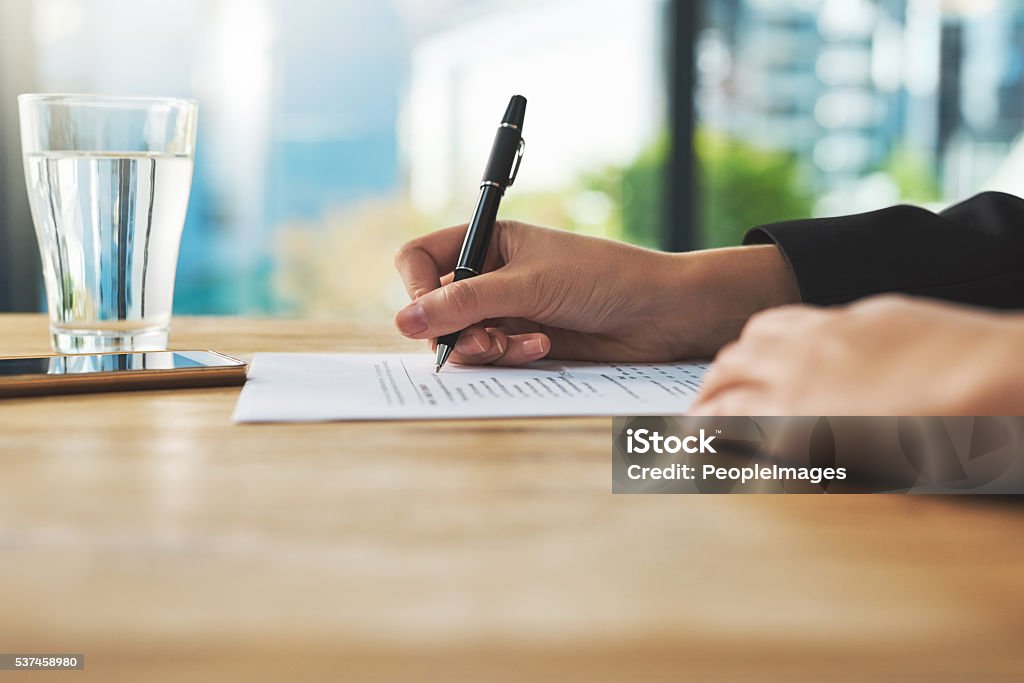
[(148, 532)]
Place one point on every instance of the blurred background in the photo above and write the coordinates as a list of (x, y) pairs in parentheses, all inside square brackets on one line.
[(333, 130)]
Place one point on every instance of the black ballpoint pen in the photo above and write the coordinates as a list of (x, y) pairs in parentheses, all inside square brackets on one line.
[(502, 167)]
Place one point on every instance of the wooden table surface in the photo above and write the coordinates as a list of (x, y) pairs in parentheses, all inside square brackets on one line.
[(148, 532)]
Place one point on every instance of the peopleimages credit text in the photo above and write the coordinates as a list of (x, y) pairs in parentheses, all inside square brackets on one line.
[(692, 454), (645, 441)]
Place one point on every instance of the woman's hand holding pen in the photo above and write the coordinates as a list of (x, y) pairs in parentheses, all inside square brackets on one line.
[(549, 293), (561, 295)]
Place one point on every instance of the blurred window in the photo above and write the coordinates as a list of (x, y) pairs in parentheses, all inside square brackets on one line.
[(333, 130)]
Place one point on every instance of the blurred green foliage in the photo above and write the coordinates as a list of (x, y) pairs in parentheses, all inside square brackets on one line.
[(643, 196), (916, 177), (740, 186)]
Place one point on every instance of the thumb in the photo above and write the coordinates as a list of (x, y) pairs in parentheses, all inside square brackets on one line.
[(458, 305)]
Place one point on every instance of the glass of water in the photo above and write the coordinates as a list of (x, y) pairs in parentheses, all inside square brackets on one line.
[(108, 182)]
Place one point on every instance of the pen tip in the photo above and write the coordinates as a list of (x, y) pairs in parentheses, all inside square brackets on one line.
[(443, 351)]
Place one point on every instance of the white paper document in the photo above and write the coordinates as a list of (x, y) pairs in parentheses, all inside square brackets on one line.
[(306, 387)]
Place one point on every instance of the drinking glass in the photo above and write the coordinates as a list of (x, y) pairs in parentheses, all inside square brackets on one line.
[(108, 182)]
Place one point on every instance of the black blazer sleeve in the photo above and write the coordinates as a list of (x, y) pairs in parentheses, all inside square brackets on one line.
[(971, 253)]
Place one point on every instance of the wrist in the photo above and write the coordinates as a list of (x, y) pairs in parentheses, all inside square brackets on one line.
[(1000, 390), (722, 288)]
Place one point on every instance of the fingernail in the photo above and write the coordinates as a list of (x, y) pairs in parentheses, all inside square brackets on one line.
[(412, 319), (471, 345), (533, 347)]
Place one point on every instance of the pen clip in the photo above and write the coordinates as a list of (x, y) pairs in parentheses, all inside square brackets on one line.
[(517, 162)]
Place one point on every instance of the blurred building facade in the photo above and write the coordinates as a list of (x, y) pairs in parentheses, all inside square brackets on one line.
[(864, 90)]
